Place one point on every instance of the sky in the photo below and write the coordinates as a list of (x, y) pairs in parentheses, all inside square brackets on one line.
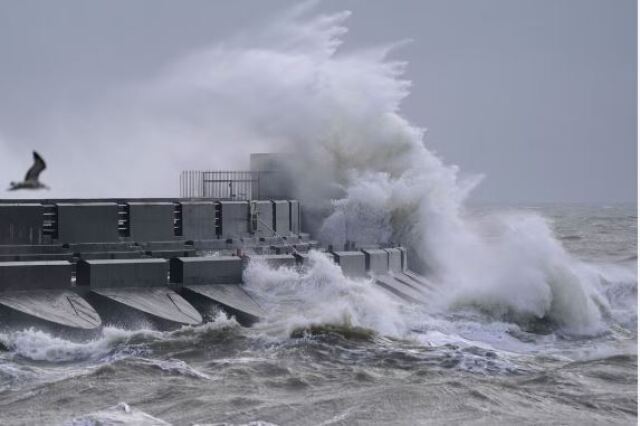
[(537, 95)]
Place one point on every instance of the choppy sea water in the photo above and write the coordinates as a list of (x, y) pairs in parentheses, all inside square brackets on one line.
[(334, 351)]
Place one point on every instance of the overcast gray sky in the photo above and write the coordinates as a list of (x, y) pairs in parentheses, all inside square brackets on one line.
[(538, 95)]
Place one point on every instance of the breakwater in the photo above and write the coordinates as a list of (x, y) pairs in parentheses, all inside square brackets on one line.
[(76, 265)]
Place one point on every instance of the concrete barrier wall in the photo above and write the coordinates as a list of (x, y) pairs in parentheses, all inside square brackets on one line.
[(22, 276), (352, 263), (234, 216), (264, 210), (87, 222), (395, 259), (149, 221), (206, 270), (122, 273), (294, 216), (198, 220), (377, 261), (21, 223), (78, 222), (281, 217)]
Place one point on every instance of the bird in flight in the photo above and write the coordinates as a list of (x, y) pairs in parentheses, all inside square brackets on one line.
[(31, 179)]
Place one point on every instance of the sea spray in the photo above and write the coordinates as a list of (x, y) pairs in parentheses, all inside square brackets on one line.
[(292, 87), (321, 295)]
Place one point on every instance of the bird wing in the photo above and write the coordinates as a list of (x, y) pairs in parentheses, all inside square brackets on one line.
[(38, 166)]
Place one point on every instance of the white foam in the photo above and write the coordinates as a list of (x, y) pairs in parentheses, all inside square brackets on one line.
[(121, 414), (38, 345), (321, 294)]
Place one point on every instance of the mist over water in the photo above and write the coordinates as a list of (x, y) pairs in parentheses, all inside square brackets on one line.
[(510, 298)]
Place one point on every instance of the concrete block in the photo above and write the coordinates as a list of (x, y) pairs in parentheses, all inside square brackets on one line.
[(122, 273), (206, 270), (377, 261), (281, 222), (234, 216), (405, 262), (151, 221), (294, 216), (24, 276), (395, 259), (21, 223), (352, 263), (198, 220), (264, 212), (87, 222)]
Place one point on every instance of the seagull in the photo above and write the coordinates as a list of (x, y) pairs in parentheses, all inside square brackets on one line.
[(31, 179)]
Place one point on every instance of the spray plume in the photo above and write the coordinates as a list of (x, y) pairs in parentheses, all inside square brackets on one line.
[(291, 88)]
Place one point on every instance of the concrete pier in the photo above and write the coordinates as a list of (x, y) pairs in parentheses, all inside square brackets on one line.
[(25, 276), (129, 292), (39, 293), (352, 263), (215, 280), (58, 311), (417, 279), (400, 289), (206, 270), (120, 251), (385, 266)]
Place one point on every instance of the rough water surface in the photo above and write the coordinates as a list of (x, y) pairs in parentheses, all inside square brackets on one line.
[(532, 316), (336, 351)]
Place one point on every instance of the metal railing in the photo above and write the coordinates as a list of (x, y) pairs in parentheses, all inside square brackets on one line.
[(222, 185)]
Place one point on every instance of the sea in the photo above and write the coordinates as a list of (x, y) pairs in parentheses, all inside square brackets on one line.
[(333, 351)]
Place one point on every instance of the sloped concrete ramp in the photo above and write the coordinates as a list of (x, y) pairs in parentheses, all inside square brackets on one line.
[(410, 276), (58, 307), (409, 282), (229, 295), (160, 303), (400, 289)]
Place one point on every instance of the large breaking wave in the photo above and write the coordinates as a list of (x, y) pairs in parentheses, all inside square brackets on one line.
[(291, 87)]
